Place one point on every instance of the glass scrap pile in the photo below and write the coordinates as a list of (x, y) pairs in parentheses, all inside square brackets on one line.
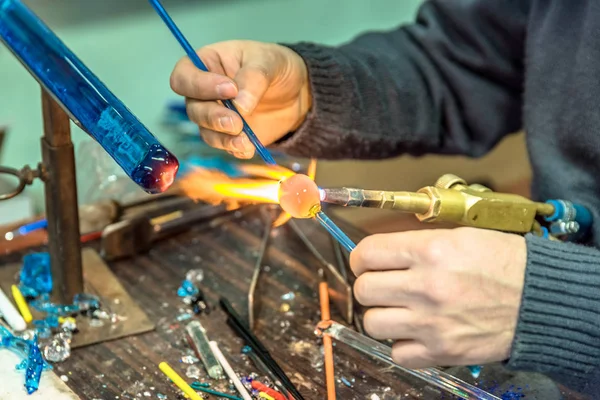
[(191, 294), (59, 323)]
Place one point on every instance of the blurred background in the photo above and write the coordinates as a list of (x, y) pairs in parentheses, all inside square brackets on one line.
[(129, 48)]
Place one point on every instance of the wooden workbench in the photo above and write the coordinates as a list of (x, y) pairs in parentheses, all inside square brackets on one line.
[(127, 368)]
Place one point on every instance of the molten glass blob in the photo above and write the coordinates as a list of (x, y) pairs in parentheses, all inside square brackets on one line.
[(157, 171), (299, 196)]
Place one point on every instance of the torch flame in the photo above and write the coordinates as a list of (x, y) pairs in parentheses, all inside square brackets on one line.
[(215, 187)]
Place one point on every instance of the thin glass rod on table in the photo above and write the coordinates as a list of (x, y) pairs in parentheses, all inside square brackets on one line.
[(383, 353)]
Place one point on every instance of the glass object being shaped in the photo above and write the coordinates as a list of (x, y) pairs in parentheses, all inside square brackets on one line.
[(299, 196), (89, 103)]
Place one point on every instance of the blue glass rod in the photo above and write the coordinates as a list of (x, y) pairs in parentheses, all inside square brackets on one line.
[(191, 53), (89, 103), (335, 231)]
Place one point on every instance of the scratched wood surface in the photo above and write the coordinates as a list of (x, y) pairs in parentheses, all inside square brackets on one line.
[(127, 368)]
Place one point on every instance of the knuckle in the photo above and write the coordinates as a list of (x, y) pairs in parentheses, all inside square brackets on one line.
[(189, 109), (400, 357), (212, 119), (370, 325), (194, 112), (207, 137), (436, 290), (212, 138), (209, 54), (175, 80), (424, 324), (440, 349), (263, 71), (364, 252), (361, 290), (437, 249)]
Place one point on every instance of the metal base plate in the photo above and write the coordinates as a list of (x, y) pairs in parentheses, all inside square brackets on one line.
[(100, 281)]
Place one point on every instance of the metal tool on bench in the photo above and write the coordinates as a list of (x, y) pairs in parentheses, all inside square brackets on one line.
[(135, 236), (268, 220), (451, 199)]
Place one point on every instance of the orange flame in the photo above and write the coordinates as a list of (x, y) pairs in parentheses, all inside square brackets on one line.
[(215, 187)]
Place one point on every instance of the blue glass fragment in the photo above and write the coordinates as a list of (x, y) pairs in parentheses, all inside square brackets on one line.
[(246, 380), (187, 288), (513, 393), (475, 370), (35, 366), (246, 349), (61, 310), (33, 363), (86, 301), (36, 275)]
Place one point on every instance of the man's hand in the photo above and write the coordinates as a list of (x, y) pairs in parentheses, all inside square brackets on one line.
[(449, 297), (267, 82)]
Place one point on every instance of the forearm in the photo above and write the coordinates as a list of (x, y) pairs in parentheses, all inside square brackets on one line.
[(558, 332), (450, 83)]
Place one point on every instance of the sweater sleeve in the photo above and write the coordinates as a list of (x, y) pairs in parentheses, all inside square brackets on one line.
[(450, 83), (558, 330)]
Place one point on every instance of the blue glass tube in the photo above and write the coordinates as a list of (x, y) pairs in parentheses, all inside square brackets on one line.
[(89, 103), (335, 231), (193, 56)]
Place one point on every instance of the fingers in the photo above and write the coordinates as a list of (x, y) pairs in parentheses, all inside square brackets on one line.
[(213, 116), (187, 80), (250, 84), (401, 250), (253, 80), (220, 127), (390, 323), (238, 146), (411, 354), (378, 253), (386, 288)]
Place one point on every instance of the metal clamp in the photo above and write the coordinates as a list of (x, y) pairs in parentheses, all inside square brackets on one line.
[(26, 177), (264, 243)]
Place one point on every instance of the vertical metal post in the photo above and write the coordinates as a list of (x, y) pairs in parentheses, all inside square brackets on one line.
[(60, 187)]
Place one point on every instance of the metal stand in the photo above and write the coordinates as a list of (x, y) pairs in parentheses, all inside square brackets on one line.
[(75, 272), (60, 186)]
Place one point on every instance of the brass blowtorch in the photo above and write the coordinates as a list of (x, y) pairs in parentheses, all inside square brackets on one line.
[(451, 199)]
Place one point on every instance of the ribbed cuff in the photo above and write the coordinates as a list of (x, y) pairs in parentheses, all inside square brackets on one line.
[(558, 331), (320, 133)]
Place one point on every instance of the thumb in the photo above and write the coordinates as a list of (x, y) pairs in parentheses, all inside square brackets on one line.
[(252, 80)]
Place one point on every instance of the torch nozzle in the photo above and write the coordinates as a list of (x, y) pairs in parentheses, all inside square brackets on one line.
[(411, 202)]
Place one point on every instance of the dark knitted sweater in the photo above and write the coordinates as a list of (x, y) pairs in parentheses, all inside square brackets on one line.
[(459, 79)]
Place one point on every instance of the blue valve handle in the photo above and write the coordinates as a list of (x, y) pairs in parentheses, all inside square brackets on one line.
[(89, 103), (191, 53), (568, 211)]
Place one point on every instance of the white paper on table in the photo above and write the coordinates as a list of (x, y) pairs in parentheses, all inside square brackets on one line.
[(12, 382)]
